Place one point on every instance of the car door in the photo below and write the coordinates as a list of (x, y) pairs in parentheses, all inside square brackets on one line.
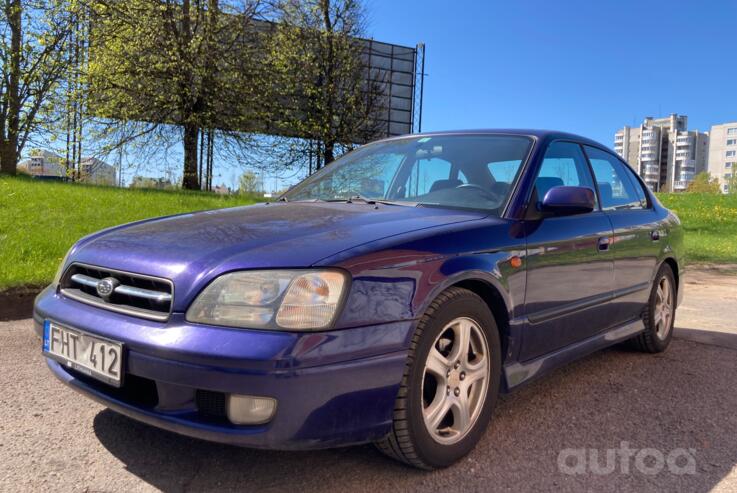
[(570, 272), (636, 240)]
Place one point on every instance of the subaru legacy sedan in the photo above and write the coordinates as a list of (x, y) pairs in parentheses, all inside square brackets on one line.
[(388, 298)]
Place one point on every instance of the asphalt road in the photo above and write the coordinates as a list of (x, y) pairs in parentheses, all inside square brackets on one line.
[(678, 404)]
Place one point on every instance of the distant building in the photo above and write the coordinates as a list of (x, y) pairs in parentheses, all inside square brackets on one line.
[(96, 172), (146, 182), (664, 152), (221, 190), (44, 164), (723, 153)]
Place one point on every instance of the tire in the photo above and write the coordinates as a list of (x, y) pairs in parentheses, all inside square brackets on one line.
[(658, 333), (454, 312)]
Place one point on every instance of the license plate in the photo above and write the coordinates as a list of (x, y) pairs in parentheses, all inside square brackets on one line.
[(91, 355)]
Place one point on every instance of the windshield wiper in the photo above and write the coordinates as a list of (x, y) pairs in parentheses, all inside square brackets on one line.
[(405, 203), (359, 198), (352, 199), (366, 200)]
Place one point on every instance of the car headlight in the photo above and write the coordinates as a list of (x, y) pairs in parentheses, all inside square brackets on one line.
[(271, 299), (60, 269)]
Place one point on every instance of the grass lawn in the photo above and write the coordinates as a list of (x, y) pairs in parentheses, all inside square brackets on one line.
[(710, 222), (39, 221)]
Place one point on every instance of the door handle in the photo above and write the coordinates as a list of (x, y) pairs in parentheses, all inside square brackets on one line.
[(603, 244), (655, 235)]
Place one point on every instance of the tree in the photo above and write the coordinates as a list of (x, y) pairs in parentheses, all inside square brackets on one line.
[(320, 86), (248, 182), (703, 183), (179, 63), (32, 53), (731, 183)]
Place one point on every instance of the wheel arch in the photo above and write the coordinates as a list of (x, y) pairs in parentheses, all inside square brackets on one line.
[(673, 264), (496, 303)]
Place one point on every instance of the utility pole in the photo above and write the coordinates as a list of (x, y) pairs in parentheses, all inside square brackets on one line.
[(120, 167)]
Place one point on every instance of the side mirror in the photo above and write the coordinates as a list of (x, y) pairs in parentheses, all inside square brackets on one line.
[(567, 201)]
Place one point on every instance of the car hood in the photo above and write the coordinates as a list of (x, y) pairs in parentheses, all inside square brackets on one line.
[(191, 249)]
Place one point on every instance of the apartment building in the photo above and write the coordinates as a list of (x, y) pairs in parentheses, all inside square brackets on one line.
[(96, 172), (664, 152), (723, 154), (43, 164), (46, 164)]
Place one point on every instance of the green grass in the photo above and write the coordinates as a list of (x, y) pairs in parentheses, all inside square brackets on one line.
[(710, 223), (39, 221)]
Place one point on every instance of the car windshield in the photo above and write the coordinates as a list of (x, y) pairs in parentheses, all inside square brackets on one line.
[(457, 171)]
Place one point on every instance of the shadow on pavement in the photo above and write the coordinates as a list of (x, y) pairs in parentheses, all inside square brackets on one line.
[(172, 462), (712, 337), (681, 399)]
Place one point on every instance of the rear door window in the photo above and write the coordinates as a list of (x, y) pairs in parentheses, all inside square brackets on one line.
[(616, 190)]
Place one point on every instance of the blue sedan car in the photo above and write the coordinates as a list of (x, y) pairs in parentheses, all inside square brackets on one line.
[(388, 298)]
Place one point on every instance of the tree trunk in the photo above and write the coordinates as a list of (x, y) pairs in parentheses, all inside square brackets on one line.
[(210, 140), (329, 153), (201, 158), (7, 157), (9, 148), (190, 180)]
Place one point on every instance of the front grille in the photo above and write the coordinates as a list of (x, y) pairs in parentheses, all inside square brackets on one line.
[(132, 294), (211, 404)]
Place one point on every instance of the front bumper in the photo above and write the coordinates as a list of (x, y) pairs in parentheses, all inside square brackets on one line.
[(333, 388)]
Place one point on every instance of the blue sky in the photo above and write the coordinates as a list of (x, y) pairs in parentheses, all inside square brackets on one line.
[(588, 67), (583, 66)]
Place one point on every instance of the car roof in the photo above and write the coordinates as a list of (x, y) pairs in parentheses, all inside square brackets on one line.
[(540, 134)]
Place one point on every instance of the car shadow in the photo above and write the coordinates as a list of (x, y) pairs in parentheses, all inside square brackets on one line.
[(172, 462), (680, 400)]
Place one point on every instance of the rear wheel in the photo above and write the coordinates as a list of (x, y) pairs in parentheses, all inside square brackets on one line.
[(660, 314), (450, 383)]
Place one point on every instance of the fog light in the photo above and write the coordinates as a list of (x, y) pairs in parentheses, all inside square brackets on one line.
[(250, 410)]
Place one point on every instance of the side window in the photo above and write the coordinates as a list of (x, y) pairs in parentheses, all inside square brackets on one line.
[(636, 184), (428, 175), (615, 187), (563, 165)]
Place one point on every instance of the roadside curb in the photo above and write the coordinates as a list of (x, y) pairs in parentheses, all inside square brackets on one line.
[(711, 267), (17, 303), (708, 337)]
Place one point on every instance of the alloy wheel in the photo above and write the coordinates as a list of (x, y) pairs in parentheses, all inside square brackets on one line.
[(663, 312), (455, 381)]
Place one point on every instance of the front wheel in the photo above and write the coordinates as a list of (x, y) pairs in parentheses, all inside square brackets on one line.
[(450, 383), (660, 314)]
